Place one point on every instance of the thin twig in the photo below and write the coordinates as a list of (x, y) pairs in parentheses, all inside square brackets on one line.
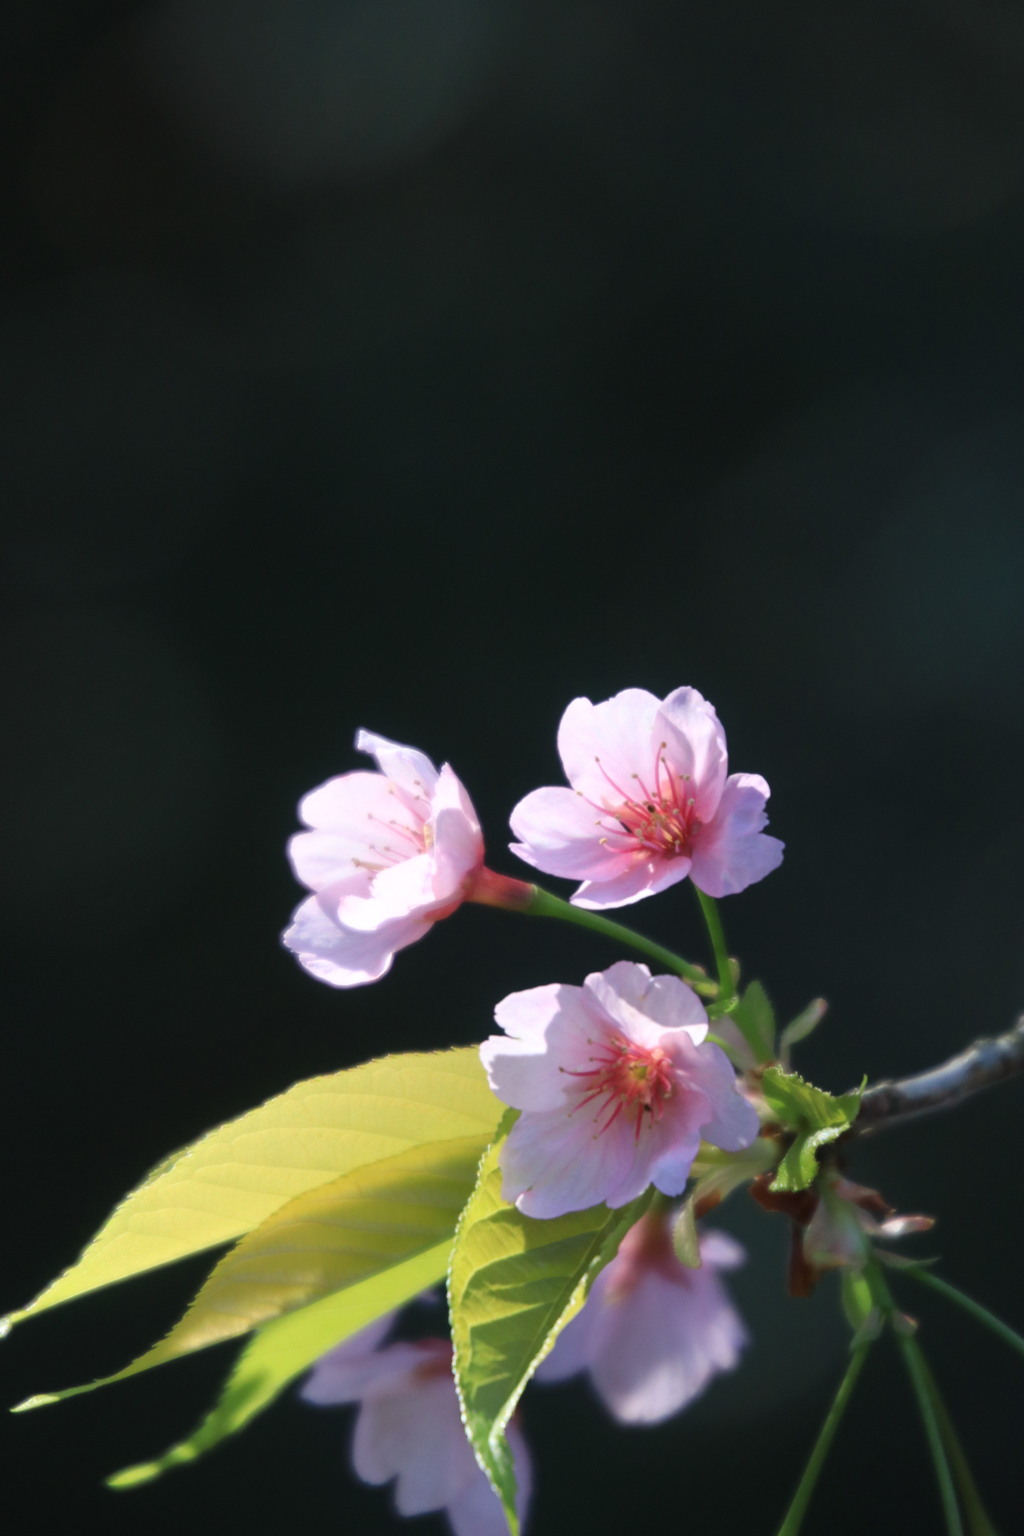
[(982, 1064)]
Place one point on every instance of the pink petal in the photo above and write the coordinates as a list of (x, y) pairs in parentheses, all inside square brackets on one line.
[(403, 891), (561, 833), (526, 1015), (477, 1511), (616, 997), (695, 746), (903, 1226), (733, 1123), (340, 956), (356, 806), (652, 1334), (412, 772), (602, 746), (656, 1351), (573, 1348), (631, 996), (553, 1164), (349, 1370), (511, 1067), (517, 1063), (458, 846), (720, 1250), (675, 1143), (731, 851), (412, 1432), (324, 858), (645, 878)]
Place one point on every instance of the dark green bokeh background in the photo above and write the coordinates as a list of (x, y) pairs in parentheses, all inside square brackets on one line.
[(422, 366)]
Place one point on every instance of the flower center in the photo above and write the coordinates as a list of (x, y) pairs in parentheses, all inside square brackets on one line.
[(626, 1077), (663, 825), (392, 841), (659, 816)]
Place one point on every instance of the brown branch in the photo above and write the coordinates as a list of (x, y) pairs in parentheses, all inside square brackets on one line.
[(985, 1062)]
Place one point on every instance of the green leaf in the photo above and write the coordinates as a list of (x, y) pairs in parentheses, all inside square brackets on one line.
[(329, 1239), (800, 1105), (283, 1349), (803, 1025), (799, 1166), (816, 1118), (238, 1175), (754, 1017), (514, 1283)]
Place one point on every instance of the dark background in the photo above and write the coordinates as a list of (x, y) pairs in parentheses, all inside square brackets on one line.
[(422, 366)]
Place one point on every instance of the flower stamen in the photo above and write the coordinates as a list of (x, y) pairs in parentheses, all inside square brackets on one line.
[(659, 821), (626, 1077)]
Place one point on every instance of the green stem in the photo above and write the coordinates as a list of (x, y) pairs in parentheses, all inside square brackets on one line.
[(798, 1508), (977, 1516), (543, 904), (977, 1311), (726, 984), (923, 1387), (928, 1403)]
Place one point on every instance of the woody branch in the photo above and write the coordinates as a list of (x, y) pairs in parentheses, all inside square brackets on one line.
[(985, 1062)]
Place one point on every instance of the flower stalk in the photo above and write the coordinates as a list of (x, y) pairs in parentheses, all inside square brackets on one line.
[(805, 1488), (977, 1517), (544, 904), (929, 1403), (716, 933), (974, 1308)]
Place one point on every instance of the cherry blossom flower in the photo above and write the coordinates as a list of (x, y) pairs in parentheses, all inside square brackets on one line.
[(617, 1086), (653, 1333), (409, 1429), (388, 854), (651, 802)]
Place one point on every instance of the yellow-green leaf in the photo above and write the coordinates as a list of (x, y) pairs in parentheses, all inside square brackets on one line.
[(238, 1175), (513, 1284), (283, 1349), (329, 1239)]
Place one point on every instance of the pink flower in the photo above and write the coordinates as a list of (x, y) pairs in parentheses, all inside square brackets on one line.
[(617, 1085), (388, 854), (409, 1428), (653, 1333), (650, 803)]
